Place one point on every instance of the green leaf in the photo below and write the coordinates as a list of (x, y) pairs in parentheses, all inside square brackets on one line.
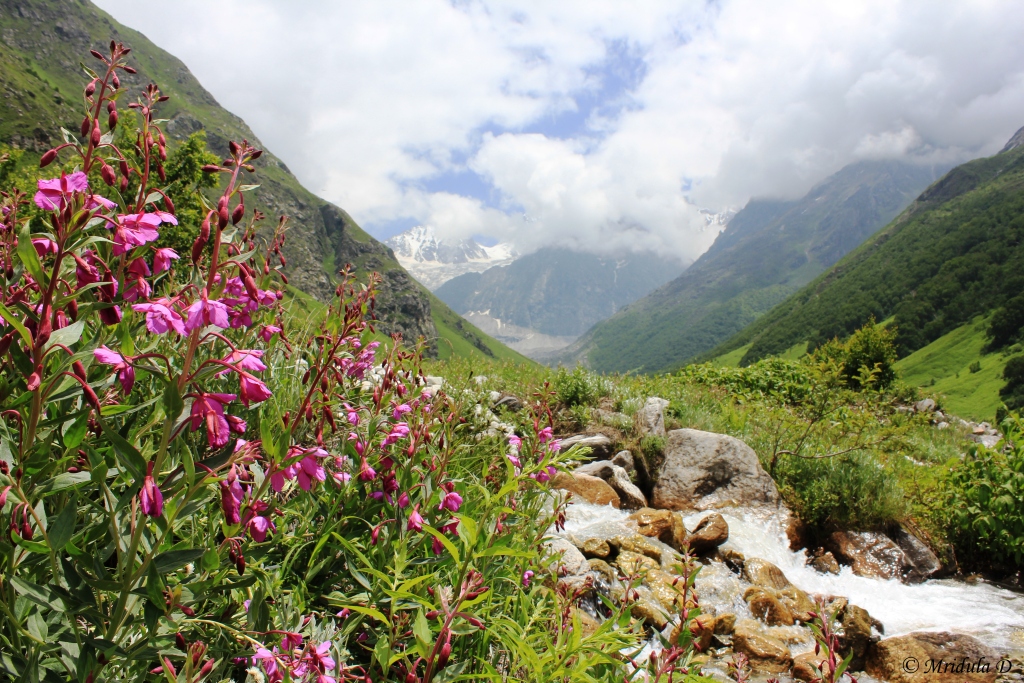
[(468, 525), (15, 322), (444, 541), (370, 612), (63, 527), (173, 405), (74, 434), (66, 336), (42, 596), (62, 481), (28, 256), (211, 560), (176, 559), (127, 454), (382, 653), (421, 629)]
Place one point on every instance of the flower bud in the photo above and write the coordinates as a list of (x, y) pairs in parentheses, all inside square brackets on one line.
[(211, 168), (128, 69), (446, 652), (86, 122), (162, 173), (112, 120), (179, 640), (111, 106), (237, 214), (117, 81), (96, 54), (107, 173), (169, 204), (96, 134), (79, 370), (47, 158), (233, 146), (162, 151), (123, 166), (207, 668), (256, 154), (161, 140), (123, 184)]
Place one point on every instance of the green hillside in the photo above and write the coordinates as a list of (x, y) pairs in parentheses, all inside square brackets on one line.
[(44, 43), (942, 271), (769, 250)]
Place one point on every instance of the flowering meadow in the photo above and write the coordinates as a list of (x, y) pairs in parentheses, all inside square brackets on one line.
[(199, 487)]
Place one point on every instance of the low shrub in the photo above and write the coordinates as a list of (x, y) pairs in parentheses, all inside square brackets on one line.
[(578, 387)]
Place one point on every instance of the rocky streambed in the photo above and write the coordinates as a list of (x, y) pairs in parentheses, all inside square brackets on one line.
[(755, 586)]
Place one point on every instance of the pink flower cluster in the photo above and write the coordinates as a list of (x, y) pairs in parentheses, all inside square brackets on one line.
[(306, 664)]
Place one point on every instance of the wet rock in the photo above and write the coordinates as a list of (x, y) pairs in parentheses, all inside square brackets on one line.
[(588, 624), (766, 653), (667, 588), (591, 489), (565, 555), (733, 559), (856, 633), (641, 545), (887, 659), (650, 419), (631, 563), (798, 602), (869, 553), (796, 533), (595, 548), (702, 629), (725, 624), (605, 570), (824, 562), (925, 405), (763, 573), (765, 606), (624, 459), (710, 532), (648, 609), (923, 562), (703, 470), (652, 523), (600, 445), (804, 665)]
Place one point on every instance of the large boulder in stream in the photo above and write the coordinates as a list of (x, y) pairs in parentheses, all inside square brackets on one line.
[(710, 532), (630, 497), (869, 553), (766, 653), (591, 489), (704, 470), (932, 658)]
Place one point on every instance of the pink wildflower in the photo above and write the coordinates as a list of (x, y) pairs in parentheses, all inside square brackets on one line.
[(160, 317), (451, 499), (398, 431), (246, 360), (162, 258), (515, 442), (252, 390), (403, 500), (544, 434), (209, 408), (415, 519), (527, 575), (351, 415), (366, 473), (231, 497), (554, 446), (311, 470), (268, 331), (205, 312), (135, 229), (44, 246), (150, 498), (401, 410), (53, 194), (259, 525), (122, 366)]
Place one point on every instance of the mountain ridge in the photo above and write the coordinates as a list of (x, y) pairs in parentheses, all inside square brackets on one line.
[(433, 261)]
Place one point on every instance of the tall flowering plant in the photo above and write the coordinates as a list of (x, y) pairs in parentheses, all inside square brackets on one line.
[(196, 486)]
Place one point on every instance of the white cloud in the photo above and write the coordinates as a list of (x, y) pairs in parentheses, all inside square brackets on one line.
[(370, 102)]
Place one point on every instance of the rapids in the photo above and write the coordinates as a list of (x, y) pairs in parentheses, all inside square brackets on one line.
[(992, 614)]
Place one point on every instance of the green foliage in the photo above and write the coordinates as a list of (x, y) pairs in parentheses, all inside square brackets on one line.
[(185, 183), (984, 493), (578, 387), (1007, 323), (1013, 393), (866, 359)]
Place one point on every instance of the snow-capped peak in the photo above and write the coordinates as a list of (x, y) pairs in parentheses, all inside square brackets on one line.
[(434, 261)]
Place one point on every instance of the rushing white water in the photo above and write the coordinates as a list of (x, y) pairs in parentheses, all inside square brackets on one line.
[(993, 615)]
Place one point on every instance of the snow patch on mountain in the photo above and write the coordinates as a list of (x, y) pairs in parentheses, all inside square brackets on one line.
[(434, 261)]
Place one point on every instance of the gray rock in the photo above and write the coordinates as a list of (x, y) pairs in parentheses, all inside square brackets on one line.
[(610, 418), (513, 403), (923, 562), (942, 425), (925, 405), (572, 561), (704, 470), (650, 419), (624, 459), (599, 444), (987, 440)]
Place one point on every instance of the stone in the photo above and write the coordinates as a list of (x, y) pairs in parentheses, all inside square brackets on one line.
[(766, 654), (600, 445), (624, 459), (610, 418), (869, 553), (595, 547), (733, 559), (631, 563), (887, 659), (804, 665), (641, 545), (710, 532), (764, 574), (588, 624), (513, 403), (923, 562), (824, 562), (796, 533), (925, 405), (630, 497), (647, 608), (725, 624), (652, 523), (650, 419), (856, 633), (704, 470), (601, 567), (764, 605), (798, 602), (571, 561), (942, 424), (702, 629), (667, 589), (591, 489)]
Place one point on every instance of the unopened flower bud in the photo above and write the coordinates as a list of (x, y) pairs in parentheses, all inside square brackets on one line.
[(128, 69), (233, 146), (107, 173), (123, 165), (179, 640), (123, 185), (207, 668), (86, 123), (160, 172), (256, 154), (117, 81), (47, 158), (96, 134), (237, 214), (223, 218), (6, 341), (446, 652), (97, 55), (79, 370), (161, 140), (112, 120), (211, 168)]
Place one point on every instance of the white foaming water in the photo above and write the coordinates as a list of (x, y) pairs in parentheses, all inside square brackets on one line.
[(993, 615)]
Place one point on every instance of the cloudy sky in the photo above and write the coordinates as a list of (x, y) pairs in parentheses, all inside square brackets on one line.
[(595, 124)]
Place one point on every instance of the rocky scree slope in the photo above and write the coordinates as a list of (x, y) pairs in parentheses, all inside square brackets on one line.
[(42, 44), (767, 251)]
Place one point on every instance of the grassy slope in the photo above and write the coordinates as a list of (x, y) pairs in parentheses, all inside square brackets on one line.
[(946, 362), (457, 337)]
